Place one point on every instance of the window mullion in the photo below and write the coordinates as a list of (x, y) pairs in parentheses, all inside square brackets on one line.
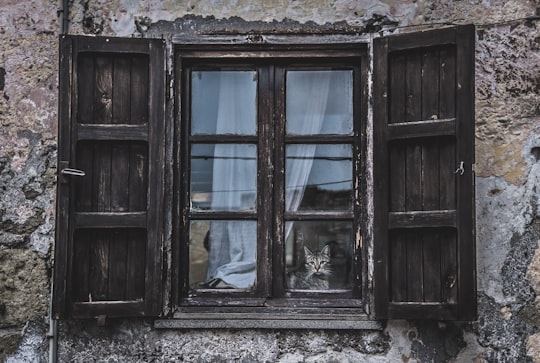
[(279, 181), (265, 104)]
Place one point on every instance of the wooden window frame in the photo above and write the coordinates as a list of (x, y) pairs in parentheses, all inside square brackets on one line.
[(272, 60)]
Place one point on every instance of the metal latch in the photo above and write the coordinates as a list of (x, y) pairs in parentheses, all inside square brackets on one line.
[(71, 171)]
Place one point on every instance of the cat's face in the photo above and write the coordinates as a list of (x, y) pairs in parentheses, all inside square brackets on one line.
[(318, 263)]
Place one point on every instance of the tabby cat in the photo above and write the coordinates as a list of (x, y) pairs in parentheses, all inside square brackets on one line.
[(314, 273)]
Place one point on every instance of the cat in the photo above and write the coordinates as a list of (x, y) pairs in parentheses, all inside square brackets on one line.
[(314, 273)]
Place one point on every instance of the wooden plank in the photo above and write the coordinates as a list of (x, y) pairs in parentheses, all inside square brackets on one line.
[(361, 269), (415, 267), (447, 83), (271, 312), (398, 243), (432, 266), (63, 231), (101, 175), (278, 193), (413, 87), (430, 202), (84, 185), (111, 309), (425, 128), (265, 175), (103, 90), (86, 89), (139, 90), (110, 219), (430, 175), (120, 182), (398, 176), (398, 266), (318, 216), (113, 45), (136, 264), (397, 91), (381, 249), (155, 194), (414, 186), (138, 177), (447, 108), (121, 90), (423, 311), (422, 39), (112, 132), (81, 265), (422, 219), (99, 267), (118, 265), (449, 267), (465, 182), (430, 84)]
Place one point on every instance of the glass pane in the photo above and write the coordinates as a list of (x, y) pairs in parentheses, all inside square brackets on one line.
[(224, 102), (319, 102), (223, 177), (318, 255), (222, 254), (318, 177)]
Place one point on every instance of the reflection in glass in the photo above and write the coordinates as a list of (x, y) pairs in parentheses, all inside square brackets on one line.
[(223, 102), (318, 177), (319, 102), (223, 177), (319, 255), (222, 254)]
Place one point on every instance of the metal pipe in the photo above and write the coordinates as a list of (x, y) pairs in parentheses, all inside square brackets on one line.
[(63, 14), (52, 334)]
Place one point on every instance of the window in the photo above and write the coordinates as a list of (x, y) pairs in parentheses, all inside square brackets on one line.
[(265, 163), (271, 177)]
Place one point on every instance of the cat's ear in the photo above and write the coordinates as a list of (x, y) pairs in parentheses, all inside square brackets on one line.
[(307, 251), (326, 250)]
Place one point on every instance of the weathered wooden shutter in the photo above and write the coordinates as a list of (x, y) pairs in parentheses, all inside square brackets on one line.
[(108, 258), (424, 254)]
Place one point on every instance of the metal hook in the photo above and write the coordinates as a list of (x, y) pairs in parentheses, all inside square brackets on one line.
[(460, 170)]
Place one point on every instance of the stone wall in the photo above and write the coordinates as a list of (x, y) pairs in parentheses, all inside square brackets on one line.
[(507, 167)]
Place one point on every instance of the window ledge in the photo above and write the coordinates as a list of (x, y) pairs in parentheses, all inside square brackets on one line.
[(266, 321)]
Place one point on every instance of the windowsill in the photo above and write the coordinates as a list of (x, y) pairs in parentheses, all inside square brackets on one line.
[(350, 319)]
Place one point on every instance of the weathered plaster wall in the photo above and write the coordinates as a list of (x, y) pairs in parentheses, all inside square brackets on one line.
[(508, 187), (28, 103)]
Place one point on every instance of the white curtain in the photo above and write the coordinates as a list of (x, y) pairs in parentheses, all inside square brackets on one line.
[(307, 105), (233, 244)]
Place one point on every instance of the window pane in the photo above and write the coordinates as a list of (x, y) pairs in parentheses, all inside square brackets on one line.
[(222, 254), (319, 102), (318, 177), (223, 177), (223, 102), (318, 255)]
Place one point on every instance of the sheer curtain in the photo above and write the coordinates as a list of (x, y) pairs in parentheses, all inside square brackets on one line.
[(233, 244), (306, 109)]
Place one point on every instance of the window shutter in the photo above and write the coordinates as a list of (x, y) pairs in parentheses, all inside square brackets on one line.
[(424, 254), (108, 258)]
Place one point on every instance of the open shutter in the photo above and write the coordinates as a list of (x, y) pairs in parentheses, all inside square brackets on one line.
[(424, 254), (108, 258)]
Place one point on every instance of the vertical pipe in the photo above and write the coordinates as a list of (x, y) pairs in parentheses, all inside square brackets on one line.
[(63, 15)]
